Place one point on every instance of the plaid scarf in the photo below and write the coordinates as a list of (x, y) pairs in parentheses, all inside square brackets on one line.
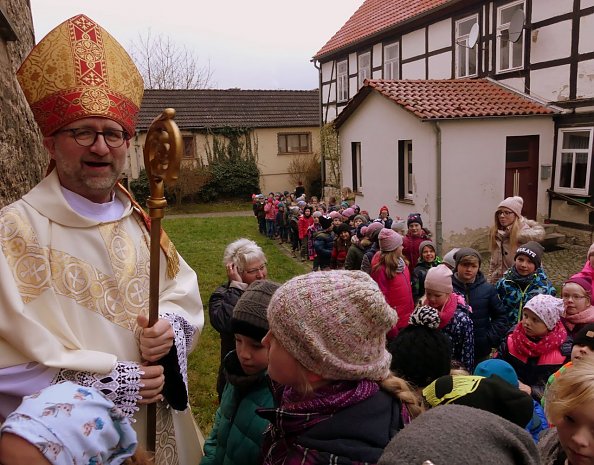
[(526, 347)]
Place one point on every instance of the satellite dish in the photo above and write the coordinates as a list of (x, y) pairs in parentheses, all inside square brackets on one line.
[(473, 35), (516, 26)]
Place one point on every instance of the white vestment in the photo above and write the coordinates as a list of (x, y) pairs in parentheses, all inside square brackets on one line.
[(71, 288)]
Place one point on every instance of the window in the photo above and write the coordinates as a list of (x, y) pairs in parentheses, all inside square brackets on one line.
[(573, 160), (294, 143), (342, 81), (391, 55), (405, 170), (364, 63), (466, 58), (189, 147), (357, 165), (510, 54)]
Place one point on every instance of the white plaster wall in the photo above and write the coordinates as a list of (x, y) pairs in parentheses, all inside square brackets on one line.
[(327, 71), (586, 4), (328, 93), (440, 34), (330, 110), (551, 84), (377, 74), (586, 34), (413, 44), (440, 66), (414, 70), (543, 9), (585, 79), (515, 83), (550, 42), (353, 86), (377, 55)]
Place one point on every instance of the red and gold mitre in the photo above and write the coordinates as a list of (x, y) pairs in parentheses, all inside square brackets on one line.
[(78, 71)]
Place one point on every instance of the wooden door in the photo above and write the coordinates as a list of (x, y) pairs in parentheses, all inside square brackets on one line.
[(521, 171)]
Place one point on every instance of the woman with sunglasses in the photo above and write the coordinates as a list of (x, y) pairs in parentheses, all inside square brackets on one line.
[(509, 231)]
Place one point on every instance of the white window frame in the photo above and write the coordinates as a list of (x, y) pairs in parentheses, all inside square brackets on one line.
[(391, 65), (462, 47), (342, 81), (560, 151), (364, 72), (505, 27), (356, 159), (408, 170)]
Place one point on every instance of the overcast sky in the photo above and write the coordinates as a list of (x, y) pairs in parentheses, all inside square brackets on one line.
[(259, 44)]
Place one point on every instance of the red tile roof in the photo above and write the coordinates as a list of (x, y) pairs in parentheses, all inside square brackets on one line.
[(375, 16), (214, 108), (450, 99)]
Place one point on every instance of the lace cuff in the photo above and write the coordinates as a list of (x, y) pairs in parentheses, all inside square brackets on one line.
[(121, 385), (184, 335)]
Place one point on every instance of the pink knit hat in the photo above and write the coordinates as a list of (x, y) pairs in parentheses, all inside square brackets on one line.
[(348, 212), (547, 308), (389, 240), (515, 204), (334, 214), (334, 323), (375, 226), (439, 278)]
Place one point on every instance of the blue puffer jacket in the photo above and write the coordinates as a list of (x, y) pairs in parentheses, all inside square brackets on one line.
[(514, 291), (323, 245), (237, 433), (488, 315)]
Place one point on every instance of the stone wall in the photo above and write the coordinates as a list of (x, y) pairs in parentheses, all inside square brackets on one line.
[(23, 159)]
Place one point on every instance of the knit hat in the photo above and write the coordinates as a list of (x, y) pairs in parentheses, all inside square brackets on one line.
[(334, 214), (583, 281), (342, 228), (389, 240), (496, 366), (348, 212), (325, 221), (456, 434), (294, 210), (362, 218), (492, 394), (399, 226), (280, 205), (73, 424), (373, 230), (585, 336), (414, 218), (533, 250), (384, 208), (344, 204), (249, 313), (423, 244), (439, 278), (317, 214), (547, 308), (334, 323), (420, 352), (465, 252), (515, 204), (449, 259)]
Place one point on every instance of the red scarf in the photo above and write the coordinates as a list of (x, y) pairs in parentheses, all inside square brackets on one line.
[(448, 309), (585, 316), (526, 347)]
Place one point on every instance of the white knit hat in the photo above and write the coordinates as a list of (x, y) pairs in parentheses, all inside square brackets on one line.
[(515, 204)]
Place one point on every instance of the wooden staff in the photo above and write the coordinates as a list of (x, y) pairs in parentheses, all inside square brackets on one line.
[(162, 157)]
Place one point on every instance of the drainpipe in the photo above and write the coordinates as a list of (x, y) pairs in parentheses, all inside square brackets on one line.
[(438, 222)]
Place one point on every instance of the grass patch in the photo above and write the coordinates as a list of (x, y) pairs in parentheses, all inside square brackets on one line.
[(201, 242), (189, 208)]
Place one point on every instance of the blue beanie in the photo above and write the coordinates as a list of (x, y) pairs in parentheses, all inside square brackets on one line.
[(497, 367)]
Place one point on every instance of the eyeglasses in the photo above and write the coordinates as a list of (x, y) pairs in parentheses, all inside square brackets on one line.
[(256, 270), (504, 213), (574, 297), (86, 137)]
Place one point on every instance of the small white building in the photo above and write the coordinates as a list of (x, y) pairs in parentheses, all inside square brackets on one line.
[(434, 147)]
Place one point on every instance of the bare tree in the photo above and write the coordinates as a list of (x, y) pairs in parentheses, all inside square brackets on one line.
[(164, 64)]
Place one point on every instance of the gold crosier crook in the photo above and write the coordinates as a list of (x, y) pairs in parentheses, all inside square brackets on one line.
[(162, 158)]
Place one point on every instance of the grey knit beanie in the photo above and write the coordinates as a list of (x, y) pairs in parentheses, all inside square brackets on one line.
[(249, 313), (456, 434)]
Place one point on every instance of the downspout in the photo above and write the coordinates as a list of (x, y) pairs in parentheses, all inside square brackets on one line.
[(438, 221)]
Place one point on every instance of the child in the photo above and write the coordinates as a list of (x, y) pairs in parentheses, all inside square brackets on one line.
[(305, 221), (372, 234), (488, 316), (415, 235), (389, 271), (525, 279), (537, 347), (270, 215), (294, 214), (360, 243), (324, 243), (384, 217), (570, 406), (583, 343), (454, 316), (427, 259), (282, 223), (314, 228), (577, 303), (337, 400), (236, 436), (505, 371), (342, 243)]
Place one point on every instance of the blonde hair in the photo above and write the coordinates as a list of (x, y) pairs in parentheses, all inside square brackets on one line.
[(391, 261), (513, 233), (570, 390), (400, 389)]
